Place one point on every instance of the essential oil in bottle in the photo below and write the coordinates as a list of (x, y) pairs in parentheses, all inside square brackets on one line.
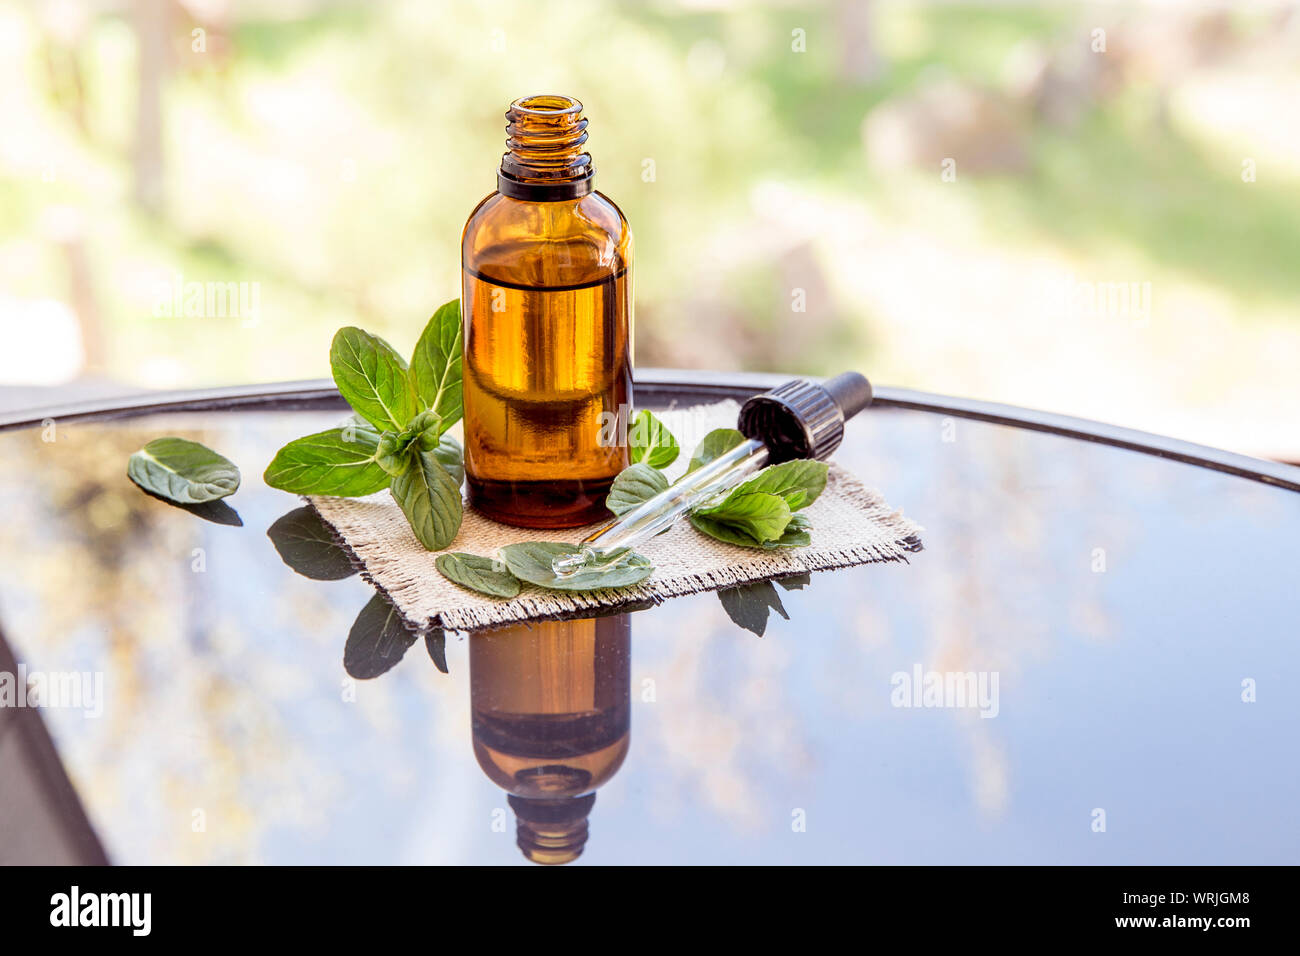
[(547, 305)]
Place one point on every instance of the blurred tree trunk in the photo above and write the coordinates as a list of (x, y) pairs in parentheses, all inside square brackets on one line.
[(859, 60), (151, 18)]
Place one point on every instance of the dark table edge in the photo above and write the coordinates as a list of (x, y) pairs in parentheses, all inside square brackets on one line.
[(61, 798), (687, 386)]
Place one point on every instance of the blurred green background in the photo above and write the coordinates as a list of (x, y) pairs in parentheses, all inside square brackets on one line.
[(1093, 209)]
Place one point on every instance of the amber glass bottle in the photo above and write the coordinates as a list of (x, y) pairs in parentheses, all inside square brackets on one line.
[(551, 714), (547, 305)]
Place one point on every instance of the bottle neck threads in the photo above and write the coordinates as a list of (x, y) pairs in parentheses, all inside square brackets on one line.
[(545, 161)]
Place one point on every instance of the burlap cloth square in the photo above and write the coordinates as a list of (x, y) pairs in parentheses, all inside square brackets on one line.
[(851, 524)]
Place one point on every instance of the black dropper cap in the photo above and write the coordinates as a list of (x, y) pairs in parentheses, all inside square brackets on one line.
[(803, 419)]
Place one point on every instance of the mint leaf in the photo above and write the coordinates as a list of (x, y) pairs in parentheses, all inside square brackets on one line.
[(427, 423), (306, 545), (390, 454), (749, 604), (799, 482), (430, 499), (714, 445), (531, 561), (761, 516), (328, 463), (449, 455), (634, 485), (436, 365), (650, 442), (182, 471), (377, 641), (478, 574), (372, 377), (435, 642), (796, 534), (724, 532)]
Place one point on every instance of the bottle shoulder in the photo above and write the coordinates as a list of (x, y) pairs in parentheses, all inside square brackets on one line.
[(568, 241)]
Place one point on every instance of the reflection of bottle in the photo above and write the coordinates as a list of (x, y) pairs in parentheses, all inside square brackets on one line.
[(547, 303), (551, 713)]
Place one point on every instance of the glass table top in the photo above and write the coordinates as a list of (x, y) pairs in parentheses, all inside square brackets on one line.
[(1125, 626)]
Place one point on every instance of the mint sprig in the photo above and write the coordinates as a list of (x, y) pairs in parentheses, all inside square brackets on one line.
[(403, 445)]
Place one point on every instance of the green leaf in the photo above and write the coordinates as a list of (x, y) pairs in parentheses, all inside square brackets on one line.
[(796, 534), (425, 428), (436, 366), (651, 443), (762, 516), (531, 561), (724, 532), (390, 454), (634, 485), (340, 461), (435, 642), (749, 604), (478, 574), (182, 471), (372, 377), (426, 423), (450, 456), (715, 444), (306, 545), (799, 482), (430, 499), (377, 641)]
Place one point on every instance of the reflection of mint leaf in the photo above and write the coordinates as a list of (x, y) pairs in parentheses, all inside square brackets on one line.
[(435, 642), (651, 442), (436, 365), (377, 641), (430, 499), (340, 461), (372, 378), (531, 561), (715, 444), (634, 486), (748, 605), (478, 574), (307, 545), (183, 471)]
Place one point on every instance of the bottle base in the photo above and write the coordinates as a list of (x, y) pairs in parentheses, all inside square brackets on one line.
[(541, 504)]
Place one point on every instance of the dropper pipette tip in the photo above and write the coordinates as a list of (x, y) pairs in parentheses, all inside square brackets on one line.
[(567, 565)]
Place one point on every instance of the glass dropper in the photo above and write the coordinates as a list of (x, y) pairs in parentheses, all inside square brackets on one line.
[(799, 419), (651, 517)]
